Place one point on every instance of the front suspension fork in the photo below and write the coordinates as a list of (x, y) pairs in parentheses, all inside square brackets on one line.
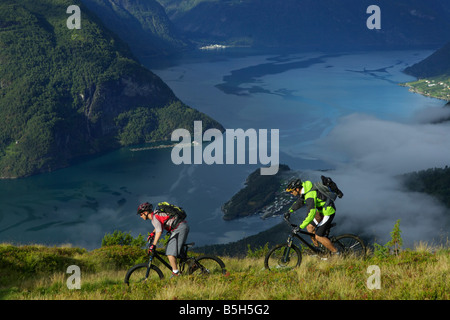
[(287, 249), (149, 266)]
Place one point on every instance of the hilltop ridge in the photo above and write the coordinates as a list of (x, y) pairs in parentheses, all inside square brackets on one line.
[(40, 273)]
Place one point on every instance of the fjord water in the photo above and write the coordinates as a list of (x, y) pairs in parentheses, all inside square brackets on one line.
[(303, 95)]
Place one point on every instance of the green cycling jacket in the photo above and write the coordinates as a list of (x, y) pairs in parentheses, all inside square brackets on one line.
[(315, 203)]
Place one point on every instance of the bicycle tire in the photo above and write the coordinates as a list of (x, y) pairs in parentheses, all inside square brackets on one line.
[(207, 265), (350, 245), (136, 274), (275, 257)]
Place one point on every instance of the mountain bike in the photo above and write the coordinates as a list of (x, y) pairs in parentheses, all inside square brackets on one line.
[(288, 255), (203, 265)]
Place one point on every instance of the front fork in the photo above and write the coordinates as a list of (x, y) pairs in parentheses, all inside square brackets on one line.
[(287, 249), (149, 266)]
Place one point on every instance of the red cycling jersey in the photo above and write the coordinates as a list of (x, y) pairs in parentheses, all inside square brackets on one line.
[(161, 220)]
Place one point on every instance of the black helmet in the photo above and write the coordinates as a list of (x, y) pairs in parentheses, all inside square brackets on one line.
[(145, 207), (294, 184)]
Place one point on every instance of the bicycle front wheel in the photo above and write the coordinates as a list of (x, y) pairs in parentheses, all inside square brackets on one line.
[(137, 274), (207, 265), (350, 245), (283, 257)]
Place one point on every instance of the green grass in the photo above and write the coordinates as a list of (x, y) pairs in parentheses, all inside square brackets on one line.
[(437, 87), (38, 272)]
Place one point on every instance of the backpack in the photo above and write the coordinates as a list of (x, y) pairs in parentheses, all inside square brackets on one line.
[(172, 211), (329, 189)]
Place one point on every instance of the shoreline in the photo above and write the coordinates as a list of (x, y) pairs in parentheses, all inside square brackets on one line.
[(414, 87), (161, 146)]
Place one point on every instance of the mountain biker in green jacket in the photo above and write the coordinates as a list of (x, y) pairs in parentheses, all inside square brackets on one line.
[(319, 216)]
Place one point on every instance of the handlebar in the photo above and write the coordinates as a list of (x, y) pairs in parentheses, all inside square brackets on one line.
[(289, 222), (295, 228)]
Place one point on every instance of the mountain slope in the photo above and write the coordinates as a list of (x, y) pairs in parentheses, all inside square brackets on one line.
[(437, 64), (143, 24), (433, 73), (69, 93), (39, 272), (325, 23)]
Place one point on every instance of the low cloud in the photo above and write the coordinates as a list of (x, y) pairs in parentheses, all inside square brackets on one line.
[(432, 115)]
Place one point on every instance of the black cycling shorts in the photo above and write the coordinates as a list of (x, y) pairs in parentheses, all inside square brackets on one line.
[(322, 229)]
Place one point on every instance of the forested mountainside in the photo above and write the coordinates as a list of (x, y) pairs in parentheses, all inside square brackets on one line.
[(143, 24), (66, 93), (434, 181), (437, 64), (322, 24)]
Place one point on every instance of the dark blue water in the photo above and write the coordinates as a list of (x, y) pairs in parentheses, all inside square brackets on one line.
[(303, 95)]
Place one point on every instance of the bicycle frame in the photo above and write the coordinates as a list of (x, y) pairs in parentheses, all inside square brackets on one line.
[(296, 235), (293, 234), (195, 265), (282, 254), (182, 259), (157, 256)]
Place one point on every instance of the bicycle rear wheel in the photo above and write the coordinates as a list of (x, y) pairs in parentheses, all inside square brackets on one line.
[(137, 274), (283, 257), (350, 245), (207, 265)]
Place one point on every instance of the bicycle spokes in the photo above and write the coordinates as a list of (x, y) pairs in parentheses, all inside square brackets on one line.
[(283, 257), (207, 266), (350, 245)]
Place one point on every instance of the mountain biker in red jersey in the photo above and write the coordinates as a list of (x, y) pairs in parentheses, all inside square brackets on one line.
[(161, 221), (319, 216)]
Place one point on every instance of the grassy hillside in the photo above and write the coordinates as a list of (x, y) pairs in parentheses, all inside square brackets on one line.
[(38, 272), (435, 87)]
